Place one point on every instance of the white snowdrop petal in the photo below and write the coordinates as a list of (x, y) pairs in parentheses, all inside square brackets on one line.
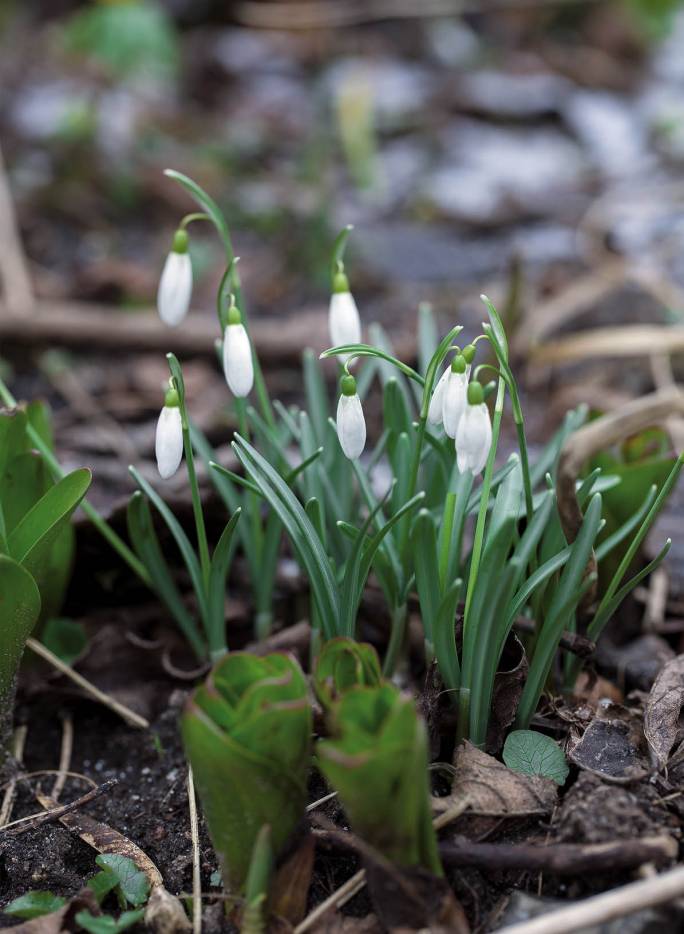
[(237, 360), (344, 322), (168, 442), (351, 426), (454, 401), (435, 408), (473, 439), (175, 288)]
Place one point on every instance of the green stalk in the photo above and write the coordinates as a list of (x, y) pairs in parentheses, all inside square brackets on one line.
[(203, 545), (484, 500), (216, 217), (101, 524), (446, 533), (396, 641)]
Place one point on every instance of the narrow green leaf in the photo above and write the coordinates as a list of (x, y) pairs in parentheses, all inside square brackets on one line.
[(144, 539), (220, 565)]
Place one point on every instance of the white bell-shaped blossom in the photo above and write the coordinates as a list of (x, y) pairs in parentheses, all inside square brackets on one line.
[(168, 442), (351, 424), (436, 402), (238, 367), (474, 434), (175, 284), (344, 323), (455, 395)]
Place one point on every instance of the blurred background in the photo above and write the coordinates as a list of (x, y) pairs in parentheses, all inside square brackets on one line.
[(532, 149)]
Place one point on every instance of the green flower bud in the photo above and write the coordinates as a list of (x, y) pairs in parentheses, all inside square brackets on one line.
[(475, 393), (180, 241), (469, 352), (340, 282), (459, 364), (348, 385)]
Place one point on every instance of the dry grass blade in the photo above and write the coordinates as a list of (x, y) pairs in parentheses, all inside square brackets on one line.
[(196, 878), (619, 903), (65, 752), (130, 716), (638, 340), (10, 790), (17, 288)]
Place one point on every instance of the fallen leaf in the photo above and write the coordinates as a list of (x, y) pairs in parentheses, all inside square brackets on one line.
[(494, 790), (663, 710), (609, 748)]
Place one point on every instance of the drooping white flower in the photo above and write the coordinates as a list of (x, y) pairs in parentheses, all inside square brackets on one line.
[(474, 434), (175, 284), (435, 408), (344, 322), (454, 396), (168, 442), (238, 367), (351, 424)]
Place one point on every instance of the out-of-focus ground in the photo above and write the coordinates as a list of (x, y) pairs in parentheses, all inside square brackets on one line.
[(533, 151)]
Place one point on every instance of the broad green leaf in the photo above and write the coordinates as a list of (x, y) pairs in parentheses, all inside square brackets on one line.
[(34, 904), (247, 734), (535, 754), (31, 539), (378, 764), (19, 612), (134, 884), (65, 638), (102, 884), (106, 924), (343, 664)]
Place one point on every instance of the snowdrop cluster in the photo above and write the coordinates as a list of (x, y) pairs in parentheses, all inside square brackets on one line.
[(459, 406)]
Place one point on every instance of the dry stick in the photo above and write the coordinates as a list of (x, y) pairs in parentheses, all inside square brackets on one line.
[(130, 716), (65, 752), (628, 340), (35, 820), (8, 798), (18, 292), (354, 884), (196, 877), (561, 859), (327, 14), (597, 436), (617, 903)]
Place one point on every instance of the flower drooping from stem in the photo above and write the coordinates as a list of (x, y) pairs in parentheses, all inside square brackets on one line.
[(343, 316), (168, 444), (238, 366), (351, 424), (454, 396), (175, 284), (474, 434)]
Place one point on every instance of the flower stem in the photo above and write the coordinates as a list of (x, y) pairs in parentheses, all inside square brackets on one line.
[(202, 543)]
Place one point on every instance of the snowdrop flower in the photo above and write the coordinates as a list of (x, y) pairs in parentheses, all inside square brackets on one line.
[(344, 323), (168, 443), (238, 367), (351, 425), (454, 395), (175, 285), (436, 403), (474, 434)]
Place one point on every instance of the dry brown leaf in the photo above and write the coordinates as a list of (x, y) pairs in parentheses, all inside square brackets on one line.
[(663, 711), (609, 747), (494, 790), (290, 889)]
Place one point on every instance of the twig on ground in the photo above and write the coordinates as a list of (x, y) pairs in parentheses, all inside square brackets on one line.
[(196, 877), (573, 642), (56, 813), (617, 903), (561, 859), (16, 281), (8, 798), (130, 716), (66, 749)]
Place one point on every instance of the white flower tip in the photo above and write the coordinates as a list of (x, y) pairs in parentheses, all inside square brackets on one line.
[(168, 443), (238, 367), (351, 426)]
